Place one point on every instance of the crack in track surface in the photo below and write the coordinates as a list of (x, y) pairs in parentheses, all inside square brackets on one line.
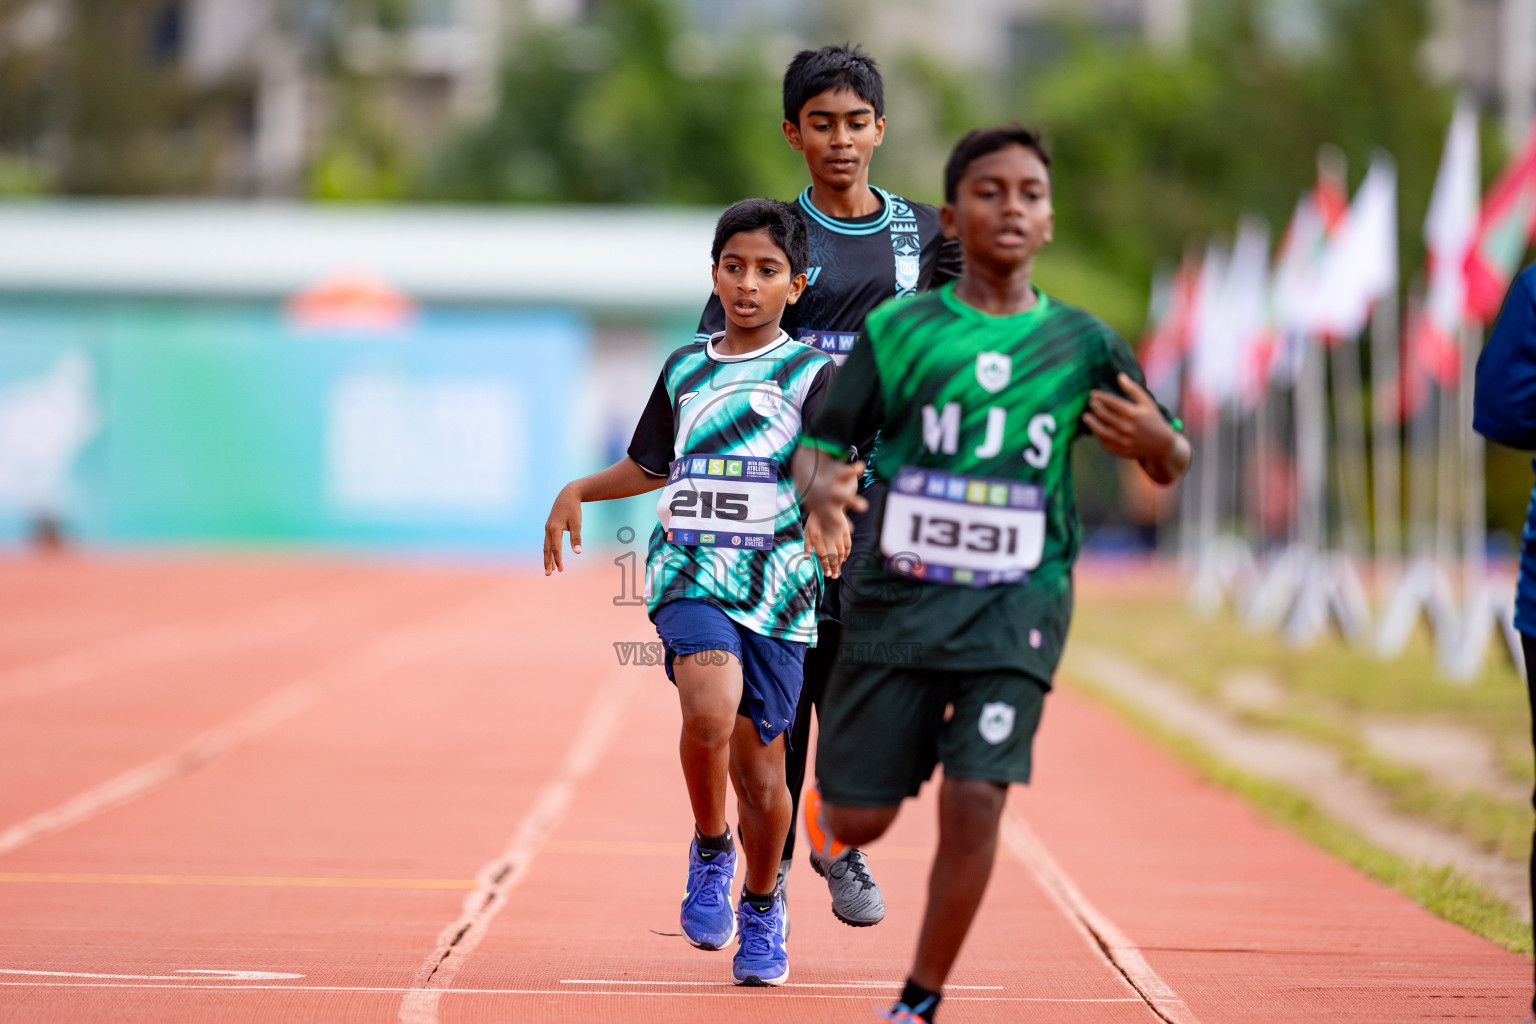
[(506, 872)]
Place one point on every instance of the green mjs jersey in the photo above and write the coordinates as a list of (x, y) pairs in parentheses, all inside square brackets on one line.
[(978, 526)]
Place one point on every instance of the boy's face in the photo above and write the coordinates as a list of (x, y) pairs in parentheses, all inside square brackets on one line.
[(753, 280), (1002, 210), (838, 132)]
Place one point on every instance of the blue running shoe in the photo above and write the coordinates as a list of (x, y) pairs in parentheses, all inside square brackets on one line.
[(707, 918), (760, 955)]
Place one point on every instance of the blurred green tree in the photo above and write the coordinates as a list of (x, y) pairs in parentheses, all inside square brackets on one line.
[(627, 107), (1153, 148)]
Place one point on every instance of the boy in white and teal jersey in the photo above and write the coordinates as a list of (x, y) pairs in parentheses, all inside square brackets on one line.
[(953, 630), (730, 582), (728, 423)]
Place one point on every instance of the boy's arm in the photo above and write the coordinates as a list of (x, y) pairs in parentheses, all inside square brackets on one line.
[(853, 409), (712, 320), (1129, 422), (830, 549), (1136, 428), (1504, 406), (623, 479), (644, 469), (950, 264)]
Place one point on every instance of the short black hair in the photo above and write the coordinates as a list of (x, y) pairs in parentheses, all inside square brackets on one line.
[(813, 72), (978, 143), (784, 223)]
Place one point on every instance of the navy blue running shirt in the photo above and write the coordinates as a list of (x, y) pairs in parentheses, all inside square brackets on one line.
[(1505, 411), (855, 265)]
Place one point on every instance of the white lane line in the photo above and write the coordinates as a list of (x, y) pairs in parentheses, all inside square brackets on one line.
[(390, 652), (798, 984), (502, 875), (178, 641), (1098, 930), (203, 974), (626, 994)]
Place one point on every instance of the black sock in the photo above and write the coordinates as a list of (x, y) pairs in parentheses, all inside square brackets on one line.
[(922, 1001), (757, 901), (709, 846)]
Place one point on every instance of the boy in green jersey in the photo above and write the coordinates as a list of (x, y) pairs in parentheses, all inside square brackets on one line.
[(951, 636)]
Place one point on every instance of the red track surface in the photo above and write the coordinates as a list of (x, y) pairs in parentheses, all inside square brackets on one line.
[(326, 771)]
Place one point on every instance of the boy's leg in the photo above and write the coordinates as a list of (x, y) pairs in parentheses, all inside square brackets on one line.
[(969, 811), (757, 773), (818, 665), (857, 826), (709, 690)]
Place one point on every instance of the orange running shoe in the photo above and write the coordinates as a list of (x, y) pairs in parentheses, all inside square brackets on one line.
[(816, 832)]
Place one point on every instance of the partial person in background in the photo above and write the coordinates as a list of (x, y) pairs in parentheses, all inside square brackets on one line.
[(1505, 411)]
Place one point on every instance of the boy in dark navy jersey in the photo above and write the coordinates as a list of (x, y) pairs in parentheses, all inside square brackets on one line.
[(866, 245)]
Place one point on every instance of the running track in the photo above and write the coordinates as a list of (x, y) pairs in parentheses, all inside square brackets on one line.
[(321, 791)]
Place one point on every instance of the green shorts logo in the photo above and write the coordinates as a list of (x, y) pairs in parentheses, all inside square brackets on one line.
[(996, 722), (706, 538)]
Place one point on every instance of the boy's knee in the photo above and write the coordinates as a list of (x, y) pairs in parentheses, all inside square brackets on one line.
[(857, 826), (973, 807), (761, 791), (708, 730)]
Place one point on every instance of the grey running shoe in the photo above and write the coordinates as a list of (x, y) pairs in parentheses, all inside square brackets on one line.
[(856, 899)]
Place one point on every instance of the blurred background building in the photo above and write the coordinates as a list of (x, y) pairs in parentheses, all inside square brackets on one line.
[(189, 163)]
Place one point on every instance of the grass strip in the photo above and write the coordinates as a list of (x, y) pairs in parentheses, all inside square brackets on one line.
[(1442, 891)]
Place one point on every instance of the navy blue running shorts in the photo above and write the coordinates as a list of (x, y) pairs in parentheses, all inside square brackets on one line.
[(772, 671)]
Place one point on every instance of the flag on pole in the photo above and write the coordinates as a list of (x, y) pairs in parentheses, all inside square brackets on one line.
[(1359, 265), (1246, 306), (1450, 229), (1208, 336), (1505, 226), (1318, 213), (1165, 346)]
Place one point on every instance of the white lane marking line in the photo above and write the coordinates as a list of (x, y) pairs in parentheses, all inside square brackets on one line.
[(392, 651), (507, 871), (1100, 932), (204, 974), (797, 984), (177, 641), (736, 990)]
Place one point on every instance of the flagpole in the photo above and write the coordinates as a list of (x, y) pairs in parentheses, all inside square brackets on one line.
[(1475, 515), (1386, 442), (1349, 426), (1311, 443)]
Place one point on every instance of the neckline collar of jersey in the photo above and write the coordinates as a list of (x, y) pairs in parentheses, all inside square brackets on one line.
[(721, 357), (844, 227), (959, 305)]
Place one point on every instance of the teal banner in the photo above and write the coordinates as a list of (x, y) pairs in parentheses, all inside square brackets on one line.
[(441, 430)]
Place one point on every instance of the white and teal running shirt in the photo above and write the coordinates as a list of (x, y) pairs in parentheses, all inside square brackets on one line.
[(722, 430)]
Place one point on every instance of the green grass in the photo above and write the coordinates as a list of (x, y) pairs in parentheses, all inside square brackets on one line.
[(1442, 891), (1494, 823), (1328, 690)]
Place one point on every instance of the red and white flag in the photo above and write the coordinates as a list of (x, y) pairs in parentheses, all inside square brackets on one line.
[(1318, 214), (1450, 229), (1359, 266), (1165, 346), (1505, 227)]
